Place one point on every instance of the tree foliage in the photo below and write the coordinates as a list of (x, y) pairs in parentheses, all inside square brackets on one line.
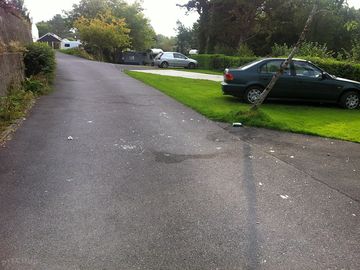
[(225, 26), (165, 43), (185, 38), (142, 34), (104, 34), (17, 6), (57, 25)]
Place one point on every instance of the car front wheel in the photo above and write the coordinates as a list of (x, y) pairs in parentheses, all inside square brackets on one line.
[(191, 66), (350, 100), (252, 94)]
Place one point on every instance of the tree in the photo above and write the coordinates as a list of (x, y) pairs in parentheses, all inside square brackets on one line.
[(18, 6), (165, 43), (103, 35), (184, 38), (142, 34), (203, 8), (57, 25)]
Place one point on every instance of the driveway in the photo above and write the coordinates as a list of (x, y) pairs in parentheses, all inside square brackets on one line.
[(182, 74), (146, 183)]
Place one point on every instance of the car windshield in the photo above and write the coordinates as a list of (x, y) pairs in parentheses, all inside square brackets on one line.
[(249, 65)]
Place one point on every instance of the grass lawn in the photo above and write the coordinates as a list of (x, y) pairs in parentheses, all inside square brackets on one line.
[(204, 71), (206, 98)]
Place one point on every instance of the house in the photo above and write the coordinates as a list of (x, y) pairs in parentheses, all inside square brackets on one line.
[(68, 44), (34, 32), (53, 40)]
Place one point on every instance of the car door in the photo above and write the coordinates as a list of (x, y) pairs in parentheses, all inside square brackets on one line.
[(283, 86), (311, 84), (169, 58), (180, 60)]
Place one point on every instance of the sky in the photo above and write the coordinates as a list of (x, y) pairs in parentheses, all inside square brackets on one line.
[(163, 14)]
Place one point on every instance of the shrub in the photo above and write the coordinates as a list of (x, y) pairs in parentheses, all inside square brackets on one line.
[(355, 51), (78, 52), (245, 51), (39, 58), (220, 61), (338, 68), (280, 50), (37, 85), (14, 105), (310, 49)]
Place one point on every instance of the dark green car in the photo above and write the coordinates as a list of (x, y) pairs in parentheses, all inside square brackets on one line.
[(301, 81)]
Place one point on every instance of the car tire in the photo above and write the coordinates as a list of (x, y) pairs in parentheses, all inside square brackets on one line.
[(164, 65), (252, 93), (191, 66), (350, 100)]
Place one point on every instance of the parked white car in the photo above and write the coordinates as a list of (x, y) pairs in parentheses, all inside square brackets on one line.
[(68, 44), (174, 59)]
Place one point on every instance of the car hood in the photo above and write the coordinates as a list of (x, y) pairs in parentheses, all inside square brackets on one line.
[(347, 80)]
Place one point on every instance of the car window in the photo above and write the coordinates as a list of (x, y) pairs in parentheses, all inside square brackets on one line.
[(167, 55), (179, 56), (306, 70), (249, 65), (159, 56), (273, 66)]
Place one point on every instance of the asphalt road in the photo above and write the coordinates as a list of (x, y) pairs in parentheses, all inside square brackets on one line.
[(147, 183)]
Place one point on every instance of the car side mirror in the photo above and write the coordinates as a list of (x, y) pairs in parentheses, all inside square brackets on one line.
[(325, 75)]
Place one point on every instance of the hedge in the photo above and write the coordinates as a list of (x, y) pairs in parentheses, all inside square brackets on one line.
[(342, 69), (39, 58)]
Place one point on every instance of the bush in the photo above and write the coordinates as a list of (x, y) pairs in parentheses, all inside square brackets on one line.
[(343, 69), (37, 85), (338, 68), (220, 61), (245, 51), (310, 49), (14, 105), (78, 52), (39, 58)]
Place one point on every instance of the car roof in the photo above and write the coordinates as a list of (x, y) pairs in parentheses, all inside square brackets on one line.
[(283, 59)]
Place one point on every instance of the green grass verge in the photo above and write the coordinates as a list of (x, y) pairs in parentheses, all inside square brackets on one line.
[(14, 106), (206, 98), (203, 71), (77, 52), (20, 99)]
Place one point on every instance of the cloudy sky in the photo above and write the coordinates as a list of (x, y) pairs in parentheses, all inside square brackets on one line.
[(163, 14)]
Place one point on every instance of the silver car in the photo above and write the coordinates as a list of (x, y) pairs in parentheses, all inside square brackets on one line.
[(174, 59)]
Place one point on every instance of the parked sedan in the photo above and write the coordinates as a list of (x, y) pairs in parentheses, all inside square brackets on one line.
[(301, 81), (174, 59)]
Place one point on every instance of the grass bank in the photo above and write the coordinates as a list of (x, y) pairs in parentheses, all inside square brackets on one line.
[(206, 98), (39, 62), (78, 52)]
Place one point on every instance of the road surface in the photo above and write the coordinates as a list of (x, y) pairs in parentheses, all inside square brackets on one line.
[(110, 174)]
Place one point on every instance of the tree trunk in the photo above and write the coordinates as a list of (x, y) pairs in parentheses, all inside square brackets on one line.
[(285, 64)]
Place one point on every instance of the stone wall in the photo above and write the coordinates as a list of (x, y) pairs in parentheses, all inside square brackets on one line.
[(12, 28), (11, 71)]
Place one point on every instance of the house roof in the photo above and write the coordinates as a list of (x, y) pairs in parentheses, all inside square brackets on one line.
[(50, 36)]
